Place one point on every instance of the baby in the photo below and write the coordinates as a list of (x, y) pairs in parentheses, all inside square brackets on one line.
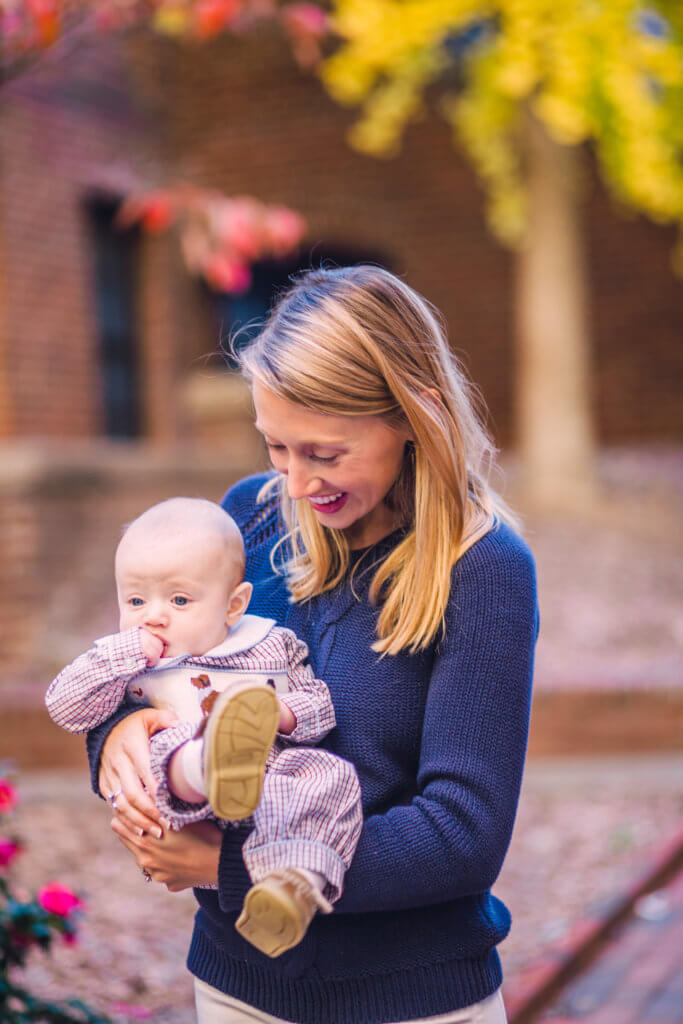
[(244, 692)]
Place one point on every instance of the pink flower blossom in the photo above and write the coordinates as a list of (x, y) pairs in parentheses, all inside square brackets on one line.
[(225, 275), (8, 796), (285, 229), (306, 19), (58, 899), (240, 228), (8, 851)]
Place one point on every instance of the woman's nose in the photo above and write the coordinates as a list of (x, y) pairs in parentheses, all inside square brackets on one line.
[(300, 481)]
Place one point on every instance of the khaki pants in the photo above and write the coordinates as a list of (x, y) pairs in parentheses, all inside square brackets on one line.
[(215, 1008)]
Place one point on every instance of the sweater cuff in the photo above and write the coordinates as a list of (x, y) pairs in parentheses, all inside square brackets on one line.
[(233, 879), (97, 737)]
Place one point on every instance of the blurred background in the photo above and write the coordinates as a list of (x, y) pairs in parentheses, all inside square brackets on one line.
[(164, 169)]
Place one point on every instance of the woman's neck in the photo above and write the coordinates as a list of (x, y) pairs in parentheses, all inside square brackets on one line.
[(372, 528)]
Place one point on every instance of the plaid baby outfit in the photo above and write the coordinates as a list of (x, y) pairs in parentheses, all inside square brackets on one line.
[(309, 815)]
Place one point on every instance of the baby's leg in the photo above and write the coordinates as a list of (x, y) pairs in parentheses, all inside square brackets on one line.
[(163, 746), (306, 829)]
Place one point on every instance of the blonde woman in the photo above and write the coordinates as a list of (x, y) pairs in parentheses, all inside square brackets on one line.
[(380, 543)]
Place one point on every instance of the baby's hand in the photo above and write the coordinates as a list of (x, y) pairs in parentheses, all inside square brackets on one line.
[(287, 723), (152, 646)]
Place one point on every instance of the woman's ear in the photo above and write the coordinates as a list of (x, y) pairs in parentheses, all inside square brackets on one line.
[(238, 602)]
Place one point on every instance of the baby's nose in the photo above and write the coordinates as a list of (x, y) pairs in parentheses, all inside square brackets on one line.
[(156, 614)]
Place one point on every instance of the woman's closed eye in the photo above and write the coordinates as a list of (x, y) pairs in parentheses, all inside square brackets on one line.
[(323, 458), (277, 448)]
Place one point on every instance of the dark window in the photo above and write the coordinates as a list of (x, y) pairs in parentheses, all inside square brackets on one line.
[(115, 260), (241, 316)]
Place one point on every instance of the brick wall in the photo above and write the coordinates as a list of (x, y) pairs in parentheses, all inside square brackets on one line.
[(69, 130), (238, 115)]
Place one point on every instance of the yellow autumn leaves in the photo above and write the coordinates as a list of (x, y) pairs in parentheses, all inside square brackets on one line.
[(608, 71)]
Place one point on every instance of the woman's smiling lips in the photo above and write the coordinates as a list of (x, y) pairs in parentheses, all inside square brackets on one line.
[(329, 503)]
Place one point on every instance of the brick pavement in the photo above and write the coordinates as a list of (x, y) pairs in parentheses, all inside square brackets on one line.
[(637, 978)]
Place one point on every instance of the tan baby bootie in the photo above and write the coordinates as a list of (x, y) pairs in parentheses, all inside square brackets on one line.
[(238, 735), (278, 910)]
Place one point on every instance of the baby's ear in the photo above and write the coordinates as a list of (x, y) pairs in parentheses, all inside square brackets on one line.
[(238, 602)]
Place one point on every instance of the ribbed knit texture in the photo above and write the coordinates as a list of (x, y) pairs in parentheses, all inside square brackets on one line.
[(438, 740)]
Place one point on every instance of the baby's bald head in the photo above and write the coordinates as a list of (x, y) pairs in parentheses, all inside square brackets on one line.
[(182, 519)]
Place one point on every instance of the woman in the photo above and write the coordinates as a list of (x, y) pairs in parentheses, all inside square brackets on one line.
[(380, 543)]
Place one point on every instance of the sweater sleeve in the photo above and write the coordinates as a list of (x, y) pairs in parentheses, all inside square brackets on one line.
[(92, 687), (451, 839)]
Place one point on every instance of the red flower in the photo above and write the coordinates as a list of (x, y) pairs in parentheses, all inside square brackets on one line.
[(8, 851), (57, 899), (212, 16), (46, 17), (8, 796), (157, 212)]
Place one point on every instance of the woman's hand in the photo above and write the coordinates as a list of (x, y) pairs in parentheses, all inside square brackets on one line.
[(179, 860), (125, 768)]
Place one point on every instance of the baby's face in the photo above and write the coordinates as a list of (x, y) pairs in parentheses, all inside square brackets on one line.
[(177, 588)]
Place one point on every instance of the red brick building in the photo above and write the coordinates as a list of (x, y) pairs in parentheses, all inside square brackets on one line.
[(98, 330)]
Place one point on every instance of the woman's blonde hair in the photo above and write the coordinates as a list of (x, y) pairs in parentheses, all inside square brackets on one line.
[(357, 341)]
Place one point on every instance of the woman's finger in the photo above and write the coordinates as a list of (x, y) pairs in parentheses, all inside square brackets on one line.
[(137, 822), (108, 783), (135, 801)]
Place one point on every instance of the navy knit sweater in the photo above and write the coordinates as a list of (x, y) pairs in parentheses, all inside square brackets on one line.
[(438, 740)]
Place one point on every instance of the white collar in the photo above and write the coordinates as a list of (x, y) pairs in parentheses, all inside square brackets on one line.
[(249, 631)]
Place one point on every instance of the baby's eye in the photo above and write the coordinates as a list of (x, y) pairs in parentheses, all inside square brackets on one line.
[(136, 602), (179, 600)]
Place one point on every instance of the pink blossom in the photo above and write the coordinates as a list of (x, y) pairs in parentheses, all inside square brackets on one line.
[(306, 19), (226, 275), (8, 851), (240, 226), (8, 796), (58, 899), (285, 229)]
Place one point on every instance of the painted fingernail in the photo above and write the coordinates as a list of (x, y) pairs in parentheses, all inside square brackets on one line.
[(156, 831), (140, 831)]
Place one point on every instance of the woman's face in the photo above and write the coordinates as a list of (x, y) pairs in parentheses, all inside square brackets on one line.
[(344, 466)]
